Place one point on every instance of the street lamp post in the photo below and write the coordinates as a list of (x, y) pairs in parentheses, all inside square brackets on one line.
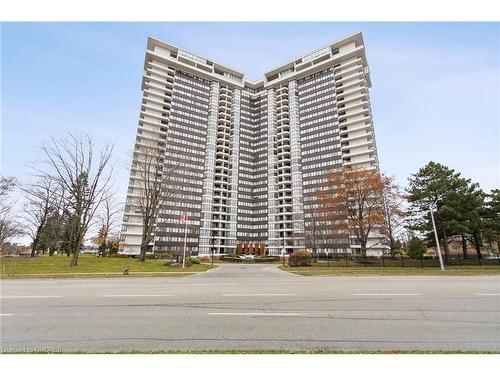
[(436, 236)]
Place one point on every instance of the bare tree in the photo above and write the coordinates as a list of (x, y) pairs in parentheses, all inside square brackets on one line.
[(394, 212), (154, 186), (84, 178), (108, 221), (7, 184), (9, 226), (312, 230), (352, 199), (41, 198)]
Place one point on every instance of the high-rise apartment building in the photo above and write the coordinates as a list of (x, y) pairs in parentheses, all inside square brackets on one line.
[(253, 153)]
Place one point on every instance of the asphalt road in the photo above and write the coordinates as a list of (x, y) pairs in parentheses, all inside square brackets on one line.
[(252, 307)]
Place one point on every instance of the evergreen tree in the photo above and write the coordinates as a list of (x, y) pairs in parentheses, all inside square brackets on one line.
[(435, 183), (491, 217), (416, 248), (463, 211)]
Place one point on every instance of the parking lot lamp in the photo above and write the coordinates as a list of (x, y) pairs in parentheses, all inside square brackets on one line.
[(431, 208)]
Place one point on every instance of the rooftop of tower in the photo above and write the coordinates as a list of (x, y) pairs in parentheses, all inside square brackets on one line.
[(309, 63)]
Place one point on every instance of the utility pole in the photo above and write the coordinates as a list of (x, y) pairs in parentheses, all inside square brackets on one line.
[(431, 207)]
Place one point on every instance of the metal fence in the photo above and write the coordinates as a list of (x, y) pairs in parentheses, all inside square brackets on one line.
[(346, 260)]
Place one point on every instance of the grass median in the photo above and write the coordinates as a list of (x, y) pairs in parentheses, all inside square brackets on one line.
[(324, 270), (90, 266)]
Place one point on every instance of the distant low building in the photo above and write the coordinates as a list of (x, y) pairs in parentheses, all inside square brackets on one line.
[(15, 249)]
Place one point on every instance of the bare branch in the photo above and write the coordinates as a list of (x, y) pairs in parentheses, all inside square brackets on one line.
[(84, 180)]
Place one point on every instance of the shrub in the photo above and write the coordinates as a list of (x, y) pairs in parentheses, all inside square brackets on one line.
[(113, 251), (119, 255), (234, 259), (267, 260), (416, 248), (299, 258), (178, 262), (158, 256), (195, 260)]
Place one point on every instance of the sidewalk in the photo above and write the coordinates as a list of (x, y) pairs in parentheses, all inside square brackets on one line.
[(97, 274)]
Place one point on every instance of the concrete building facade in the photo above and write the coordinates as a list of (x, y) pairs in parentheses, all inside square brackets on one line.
[(252, 153)]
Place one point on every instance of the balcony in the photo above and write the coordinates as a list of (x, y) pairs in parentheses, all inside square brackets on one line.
[(341, 96), (350, 85), (353, 138), (347, 69), (169, 70), (147, 99), (361, 152), (346, 78), (352, 146), (352, 130), (158, 87), (344, 101), (165, 94), (370, 159), (351, 122), (363, 103)]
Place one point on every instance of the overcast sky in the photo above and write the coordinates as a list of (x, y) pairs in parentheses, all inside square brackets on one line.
[(435, 94)]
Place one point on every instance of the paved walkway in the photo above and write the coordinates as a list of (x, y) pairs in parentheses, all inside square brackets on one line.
[(242, 271)]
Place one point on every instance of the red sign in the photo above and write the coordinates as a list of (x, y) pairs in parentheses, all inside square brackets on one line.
[(183, 218)]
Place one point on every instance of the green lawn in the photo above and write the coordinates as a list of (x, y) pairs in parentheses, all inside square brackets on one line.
[(89, 264), (324, 270)]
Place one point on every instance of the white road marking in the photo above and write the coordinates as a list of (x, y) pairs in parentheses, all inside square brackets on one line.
[(93, 285), (137, 295), (272, 269), (12, 297), (259, 313), (487, 294), (258, 295), (6, 314), (385, 294)]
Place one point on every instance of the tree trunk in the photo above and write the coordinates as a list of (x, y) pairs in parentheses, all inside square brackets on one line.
[(464, 246), (74, 259), (51, 251), (477, 243), (314, 244), (363, 250), (142, 255), (392, 247), (314, 235), (34, 246), (76, 252), (102, 249)]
